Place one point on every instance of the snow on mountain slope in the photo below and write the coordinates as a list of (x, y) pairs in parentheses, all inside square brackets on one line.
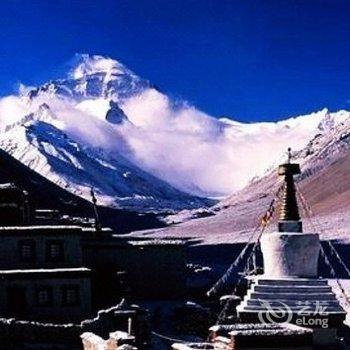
[(324, 182), (118, 119), (38, 144), (94, 77)]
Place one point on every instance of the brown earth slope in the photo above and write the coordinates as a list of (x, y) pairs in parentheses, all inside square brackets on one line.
[(324, 182)]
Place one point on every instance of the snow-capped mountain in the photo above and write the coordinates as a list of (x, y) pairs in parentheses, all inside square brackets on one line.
[(38, 143), (102, 126), (326, 150), (94, 77), (324, 183)]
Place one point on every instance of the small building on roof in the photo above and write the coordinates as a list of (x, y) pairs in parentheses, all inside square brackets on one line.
[(14, 205), (152, 268)]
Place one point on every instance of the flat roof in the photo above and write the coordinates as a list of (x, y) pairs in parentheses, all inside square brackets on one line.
[(146, 241), (93, 229), (156, 242), (40, 229), (45, 273), (8, 185)]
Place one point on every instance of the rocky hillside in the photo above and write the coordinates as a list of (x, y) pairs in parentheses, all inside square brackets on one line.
[(44, 194), (324, 182)]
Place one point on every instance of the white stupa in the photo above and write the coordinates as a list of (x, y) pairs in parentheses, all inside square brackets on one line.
[(290, 289)]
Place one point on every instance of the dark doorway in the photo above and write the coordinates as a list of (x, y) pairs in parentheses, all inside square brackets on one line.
[(16, 302)]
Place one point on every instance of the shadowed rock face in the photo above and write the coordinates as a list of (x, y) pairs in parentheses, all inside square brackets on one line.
[(115, 114), (45, 194)]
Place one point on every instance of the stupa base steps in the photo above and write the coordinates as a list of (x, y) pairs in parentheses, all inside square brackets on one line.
[(264, 281), (293, 309), (302, 297), (307, 303), (294, 303)]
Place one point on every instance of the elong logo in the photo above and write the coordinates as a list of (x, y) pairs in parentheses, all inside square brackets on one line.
[(305, 313)]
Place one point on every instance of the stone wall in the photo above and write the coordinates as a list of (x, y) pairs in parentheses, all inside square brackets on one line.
[(13, 333)]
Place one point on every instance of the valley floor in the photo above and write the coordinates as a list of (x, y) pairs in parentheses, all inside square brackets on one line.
[(226, 228)]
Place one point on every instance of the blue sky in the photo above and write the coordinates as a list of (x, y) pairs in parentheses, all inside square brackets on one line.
[(249, 60)]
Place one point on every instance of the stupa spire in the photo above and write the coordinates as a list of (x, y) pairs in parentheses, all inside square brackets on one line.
[(289, 220)]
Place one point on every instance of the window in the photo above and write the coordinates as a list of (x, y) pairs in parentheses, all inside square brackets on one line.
[(54, 251), (27, 250), (70, 295), (44, 296), (16, 303)]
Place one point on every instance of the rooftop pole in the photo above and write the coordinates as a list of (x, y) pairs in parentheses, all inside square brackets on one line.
[(97, 218)]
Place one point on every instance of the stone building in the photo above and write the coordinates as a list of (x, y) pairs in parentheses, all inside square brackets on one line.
[(41, 267), (14, 205), (53, 271)]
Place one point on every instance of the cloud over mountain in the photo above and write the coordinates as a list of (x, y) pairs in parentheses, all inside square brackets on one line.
[(119, 119)]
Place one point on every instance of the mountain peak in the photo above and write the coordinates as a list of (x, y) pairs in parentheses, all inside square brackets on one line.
[(92, 76), (86, 64)]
